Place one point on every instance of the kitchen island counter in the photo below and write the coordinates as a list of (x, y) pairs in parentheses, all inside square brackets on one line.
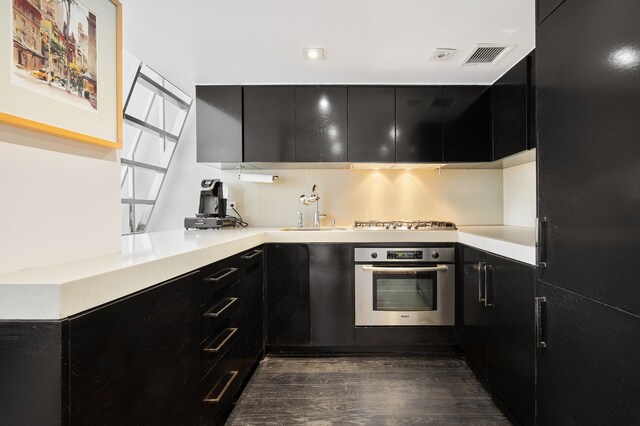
[(62, 290)]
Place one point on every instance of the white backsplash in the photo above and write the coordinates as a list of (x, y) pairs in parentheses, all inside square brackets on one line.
[(466, 197)]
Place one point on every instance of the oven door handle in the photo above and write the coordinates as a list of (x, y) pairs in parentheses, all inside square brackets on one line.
[(439, 268)]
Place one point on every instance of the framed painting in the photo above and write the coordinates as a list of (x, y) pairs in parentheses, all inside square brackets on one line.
[(61, 68)]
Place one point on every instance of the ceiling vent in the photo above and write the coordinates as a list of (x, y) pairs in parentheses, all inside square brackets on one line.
[(487, 53)]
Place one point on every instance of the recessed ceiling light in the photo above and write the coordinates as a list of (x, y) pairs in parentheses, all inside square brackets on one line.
[(313, 53), (442, 54)]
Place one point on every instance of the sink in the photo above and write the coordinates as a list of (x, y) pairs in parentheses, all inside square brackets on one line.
[(326, 228)]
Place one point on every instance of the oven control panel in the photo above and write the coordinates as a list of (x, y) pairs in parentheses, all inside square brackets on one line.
[(400, 254), (404, 254)]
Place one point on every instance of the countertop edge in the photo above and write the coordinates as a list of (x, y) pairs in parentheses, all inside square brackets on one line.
[(57, 301)]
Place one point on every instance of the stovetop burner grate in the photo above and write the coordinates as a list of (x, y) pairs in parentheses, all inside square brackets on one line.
[(405, 225)]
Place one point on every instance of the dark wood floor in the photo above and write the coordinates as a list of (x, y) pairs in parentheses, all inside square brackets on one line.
[(395, 390)]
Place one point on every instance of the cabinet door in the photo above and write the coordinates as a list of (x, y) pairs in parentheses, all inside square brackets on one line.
[(546, 8), (269, 123), (474, 315), (331, 294), (136, 360), (467, 124), (287, 294), (588, 373), (510, 113), (253, 304), (321, 124), (512, 335), (219, 124), (372, 131), (419, 124), (588, 127)]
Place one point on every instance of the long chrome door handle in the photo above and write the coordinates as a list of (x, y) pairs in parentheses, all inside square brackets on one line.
[(226, 303), (480, 267), (439, 268), (487, 289), (540, 341), (542, 242)]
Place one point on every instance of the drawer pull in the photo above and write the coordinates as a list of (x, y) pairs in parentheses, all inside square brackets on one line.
[(251, 256), (216, 349), (226, 302), (223, 274), (230, 376)]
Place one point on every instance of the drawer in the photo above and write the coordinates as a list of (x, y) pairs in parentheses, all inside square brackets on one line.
[(218, 390), (252, 257), (222, 311), (214, 349), (222, 277)]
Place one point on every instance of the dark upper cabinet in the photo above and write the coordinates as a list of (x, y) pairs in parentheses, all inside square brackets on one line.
[(136, 360), (372, 133), (419, 124), (588, 98), (466, 124), (589, 372), (269, 123), (331, 294), (474, 333), (219, 124), (321, 124), (546, 8), (511, 111), (511, 354), (287, 294)]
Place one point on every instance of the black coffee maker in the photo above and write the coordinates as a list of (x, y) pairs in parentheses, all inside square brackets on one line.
[(212, 212), (212, 201)]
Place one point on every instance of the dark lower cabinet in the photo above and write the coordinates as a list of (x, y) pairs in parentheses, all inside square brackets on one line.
[(136, 360), (498, 330), (175, 353), (512, 362), (473, 330), (466, 134), (33, 372), (589, 370), (287, 296), (331, 294), (546, 8)]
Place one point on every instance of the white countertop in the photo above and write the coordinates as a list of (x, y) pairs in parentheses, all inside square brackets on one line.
[(59, 291)]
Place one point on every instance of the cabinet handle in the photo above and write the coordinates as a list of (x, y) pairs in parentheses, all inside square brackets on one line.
[(251, 256), (439, 268), (540, 342), (542, 242), (231, 376), (487, 287), (480, 267), (229, 301), (223, 274), (215, 349)]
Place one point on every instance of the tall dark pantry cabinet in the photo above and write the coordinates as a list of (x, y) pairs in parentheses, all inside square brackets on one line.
[(588, 100)]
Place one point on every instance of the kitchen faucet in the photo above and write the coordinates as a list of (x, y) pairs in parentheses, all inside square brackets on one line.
[(313, 198)]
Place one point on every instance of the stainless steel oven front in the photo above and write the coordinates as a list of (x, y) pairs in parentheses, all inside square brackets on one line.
[(404, 286)]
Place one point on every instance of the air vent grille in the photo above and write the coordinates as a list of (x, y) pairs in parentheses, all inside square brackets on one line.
[(486, 54)]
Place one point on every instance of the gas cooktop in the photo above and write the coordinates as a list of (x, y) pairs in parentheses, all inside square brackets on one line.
[(405, 225)]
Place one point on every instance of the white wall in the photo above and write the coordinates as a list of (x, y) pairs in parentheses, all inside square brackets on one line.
[(59, 200), (466, 197), (519, 183)]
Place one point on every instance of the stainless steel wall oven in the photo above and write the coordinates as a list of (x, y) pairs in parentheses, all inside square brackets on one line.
[(404, 286)]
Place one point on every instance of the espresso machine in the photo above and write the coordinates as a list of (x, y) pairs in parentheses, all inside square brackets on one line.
[(212, 211)]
